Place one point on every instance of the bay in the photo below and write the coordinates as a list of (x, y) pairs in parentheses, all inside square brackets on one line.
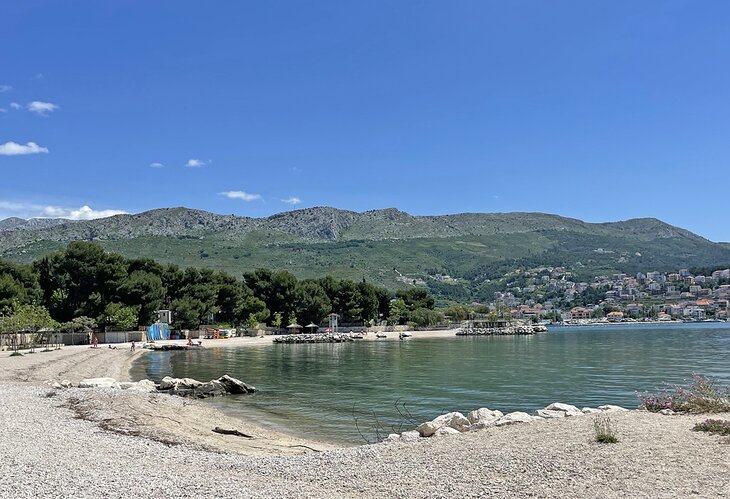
[(344, 392)]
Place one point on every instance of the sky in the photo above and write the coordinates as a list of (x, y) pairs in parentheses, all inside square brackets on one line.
[(601, 111)]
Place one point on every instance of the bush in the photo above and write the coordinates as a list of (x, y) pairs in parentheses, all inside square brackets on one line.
[(702, 395), (717, 426), (605, 430)]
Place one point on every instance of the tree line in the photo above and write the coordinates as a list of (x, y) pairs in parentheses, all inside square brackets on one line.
[(85, 281)]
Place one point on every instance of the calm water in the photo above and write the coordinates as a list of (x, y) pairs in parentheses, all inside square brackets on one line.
[(313, 388)]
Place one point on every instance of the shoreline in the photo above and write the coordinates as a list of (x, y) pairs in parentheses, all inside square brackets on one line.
[(99, 430), (640, 323), (157, 416)]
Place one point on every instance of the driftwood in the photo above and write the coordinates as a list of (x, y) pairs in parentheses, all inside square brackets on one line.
[(306, 447), (237, 433)]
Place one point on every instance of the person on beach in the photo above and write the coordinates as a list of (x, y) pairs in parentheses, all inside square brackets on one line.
[(94, 342), (133, 346), (190, 342)]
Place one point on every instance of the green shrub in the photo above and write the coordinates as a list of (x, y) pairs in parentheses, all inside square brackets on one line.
[(702, 395), (716, 426)]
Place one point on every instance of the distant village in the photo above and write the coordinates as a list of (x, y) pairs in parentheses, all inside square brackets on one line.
[(550, 294)]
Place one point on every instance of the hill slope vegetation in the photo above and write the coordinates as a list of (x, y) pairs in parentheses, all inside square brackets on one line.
[(457, 256)]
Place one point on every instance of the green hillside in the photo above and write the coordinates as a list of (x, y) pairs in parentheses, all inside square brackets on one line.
[(387, 247)]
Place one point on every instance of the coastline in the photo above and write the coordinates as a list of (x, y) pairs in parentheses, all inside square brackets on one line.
[(157, 416), (126, 444)]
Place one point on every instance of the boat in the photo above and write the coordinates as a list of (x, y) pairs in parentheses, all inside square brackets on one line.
[(405, 334), (381, 335), (357, 336)]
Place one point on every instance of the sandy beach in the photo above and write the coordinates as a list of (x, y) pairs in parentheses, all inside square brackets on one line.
[(107, 443)]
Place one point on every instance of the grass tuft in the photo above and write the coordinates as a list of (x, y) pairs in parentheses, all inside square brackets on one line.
[(605, 430)]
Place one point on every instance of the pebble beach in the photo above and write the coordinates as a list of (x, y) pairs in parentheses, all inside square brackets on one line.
[(104, 443)]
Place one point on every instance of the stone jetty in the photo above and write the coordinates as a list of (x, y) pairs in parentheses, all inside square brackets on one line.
[(522, 329), (314, 338)]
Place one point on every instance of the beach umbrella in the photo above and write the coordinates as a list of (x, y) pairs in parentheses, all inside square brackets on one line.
[(313, 326), (294, 327)]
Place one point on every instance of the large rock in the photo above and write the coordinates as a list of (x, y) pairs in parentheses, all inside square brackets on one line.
[(612, 408), (409, 436), (483, 417), (569, 410), (393, 437), (98, 383), (188, 387), (455, 420), (514, 417), (169, 383), (235, 386), (549, 414), (427, 429), (445, 431), (143, 386), (210, 389)]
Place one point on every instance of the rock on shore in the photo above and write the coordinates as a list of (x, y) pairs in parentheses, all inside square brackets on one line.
[(453, 423), (183, 387)]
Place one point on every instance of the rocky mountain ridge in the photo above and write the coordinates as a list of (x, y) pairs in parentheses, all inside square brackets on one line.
[(459, 256), (322, 224)]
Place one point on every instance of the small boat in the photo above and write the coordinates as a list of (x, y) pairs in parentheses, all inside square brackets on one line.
[(381, 335), (357, 336), (404, 335)]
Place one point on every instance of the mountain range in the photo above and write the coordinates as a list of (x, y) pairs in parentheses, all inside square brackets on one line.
[(463, 256)]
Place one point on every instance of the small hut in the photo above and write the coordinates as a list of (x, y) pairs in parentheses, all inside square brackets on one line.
[(312, 327)]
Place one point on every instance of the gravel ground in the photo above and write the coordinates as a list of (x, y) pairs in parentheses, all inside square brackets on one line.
[(46, 450)]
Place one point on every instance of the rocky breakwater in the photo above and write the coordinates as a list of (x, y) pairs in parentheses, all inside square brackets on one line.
[(454, 423), (501, 331), (314, 338), (182, 387)]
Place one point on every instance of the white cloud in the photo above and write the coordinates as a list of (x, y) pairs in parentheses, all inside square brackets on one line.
[(15, 149), (292, 201), (243, 196), (156, 165), (31, 210), (42, 108), (3, 110), (15, 105), (83, 213), (5, 88), (197, 163)]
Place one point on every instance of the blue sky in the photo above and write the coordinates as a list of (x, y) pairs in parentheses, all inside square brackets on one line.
[(596, 111)]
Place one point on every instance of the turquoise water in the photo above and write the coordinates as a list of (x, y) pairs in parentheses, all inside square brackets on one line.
[(313, 388)]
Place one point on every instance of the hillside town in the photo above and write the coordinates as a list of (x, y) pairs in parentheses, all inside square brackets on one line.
[(550, 294)]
